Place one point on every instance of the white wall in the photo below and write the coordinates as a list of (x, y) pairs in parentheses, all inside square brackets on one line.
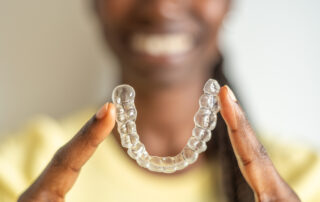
[(52, 61), (275, 50)]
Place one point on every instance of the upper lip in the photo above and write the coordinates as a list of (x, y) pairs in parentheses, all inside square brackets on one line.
[(161, 27)]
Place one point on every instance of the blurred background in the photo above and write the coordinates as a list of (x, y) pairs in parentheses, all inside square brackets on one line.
[(53, 61)]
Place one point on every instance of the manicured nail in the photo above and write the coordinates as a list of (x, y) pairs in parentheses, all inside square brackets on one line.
[(231, 95), (102, 111)]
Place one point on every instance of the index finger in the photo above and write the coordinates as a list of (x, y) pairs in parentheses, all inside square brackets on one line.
[(63, 170), (244, 141), (252, 157)]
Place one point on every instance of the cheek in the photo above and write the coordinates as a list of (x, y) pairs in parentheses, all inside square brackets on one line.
[(211, 12), (113, 12)]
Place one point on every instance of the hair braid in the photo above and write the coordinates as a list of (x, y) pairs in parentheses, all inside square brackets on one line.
[(235, 187)]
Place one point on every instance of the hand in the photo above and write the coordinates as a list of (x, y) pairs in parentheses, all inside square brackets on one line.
[(253, 160), (61, 173)]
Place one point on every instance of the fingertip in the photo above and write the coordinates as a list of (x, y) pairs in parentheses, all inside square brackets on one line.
[(108, 122), (111, 112), (227, 101), (224, 97), (231, 94), (223, 92), (105, 122), (102, 111), (106, 114), (226, 93)]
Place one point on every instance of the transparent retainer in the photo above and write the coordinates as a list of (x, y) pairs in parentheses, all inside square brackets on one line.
[(205, 120)]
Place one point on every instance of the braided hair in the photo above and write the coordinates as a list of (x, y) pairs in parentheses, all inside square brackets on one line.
[(236, 189)]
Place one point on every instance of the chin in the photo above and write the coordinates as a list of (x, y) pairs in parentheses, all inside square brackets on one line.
[(159, 74)]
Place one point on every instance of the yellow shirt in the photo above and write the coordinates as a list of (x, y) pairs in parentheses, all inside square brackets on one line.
[(110, 175)]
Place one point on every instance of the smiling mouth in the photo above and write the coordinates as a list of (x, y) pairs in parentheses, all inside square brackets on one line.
[(162, 44)]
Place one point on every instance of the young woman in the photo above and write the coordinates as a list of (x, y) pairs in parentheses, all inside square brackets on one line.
[(167, 50)]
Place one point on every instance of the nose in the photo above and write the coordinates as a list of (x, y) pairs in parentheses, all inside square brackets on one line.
[(151, 11)]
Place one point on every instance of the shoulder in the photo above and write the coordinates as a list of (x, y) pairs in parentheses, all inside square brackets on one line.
[(298, 164)]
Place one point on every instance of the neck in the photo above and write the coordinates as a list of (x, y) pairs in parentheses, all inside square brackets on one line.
[(165, 113)]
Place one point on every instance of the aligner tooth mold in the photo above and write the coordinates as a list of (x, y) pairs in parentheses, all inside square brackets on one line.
[(205, 120)]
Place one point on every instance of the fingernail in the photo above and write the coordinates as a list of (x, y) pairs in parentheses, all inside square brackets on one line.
[(102, 111), (232, 123), (231, 95)]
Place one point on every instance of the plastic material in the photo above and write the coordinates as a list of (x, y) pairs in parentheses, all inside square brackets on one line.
[(205, 120)]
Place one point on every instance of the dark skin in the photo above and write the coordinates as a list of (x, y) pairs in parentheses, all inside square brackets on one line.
[(167, 89)]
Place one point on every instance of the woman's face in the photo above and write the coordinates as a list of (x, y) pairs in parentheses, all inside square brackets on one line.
[(163, 40)]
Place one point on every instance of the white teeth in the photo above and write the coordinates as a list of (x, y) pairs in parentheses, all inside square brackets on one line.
[(162, 44)]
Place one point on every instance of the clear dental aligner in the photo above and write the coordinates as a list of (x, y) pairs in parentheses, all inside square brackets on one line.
[(205, 120)]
